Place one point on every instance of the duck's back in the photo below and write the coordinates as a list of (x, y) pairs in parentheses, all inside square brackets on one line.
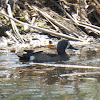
[(49, 57)]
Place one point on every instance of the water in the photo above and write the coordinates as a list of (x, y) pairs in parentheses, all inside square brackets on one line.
[(20, 81)]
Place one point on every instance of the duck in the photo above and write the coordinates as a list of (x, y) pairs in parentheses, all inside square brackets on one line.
[(41, 56)]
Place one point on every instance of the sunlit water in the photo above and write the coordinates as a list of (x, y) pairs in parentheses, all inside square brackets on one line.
[(20, 81)]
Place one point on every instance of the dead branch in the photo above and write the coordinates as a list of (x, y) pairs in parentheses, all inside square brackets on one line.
[(52, 32), (80, 74), (66, 66), (11, 36), (14, 25)]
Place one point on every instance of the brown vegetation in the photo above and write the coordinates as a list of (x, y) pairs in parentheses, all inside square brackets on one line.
[(70, 19)]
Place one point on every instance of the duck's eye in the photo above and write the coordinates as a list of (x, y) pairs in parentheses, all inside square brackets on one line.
[(50, 42)]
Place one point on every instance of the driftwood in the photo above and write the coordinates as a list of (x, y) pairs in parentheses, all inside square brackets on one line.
[(53, 21), (11, 36), (89, 26), (94, 28), (78, 74), (14, 26), (52, 32), (63, 5), (66, 66), (72, 35)]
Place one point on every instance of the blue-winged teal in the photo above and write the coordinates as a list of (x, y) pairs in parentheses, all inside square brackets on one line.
[(43, 57)]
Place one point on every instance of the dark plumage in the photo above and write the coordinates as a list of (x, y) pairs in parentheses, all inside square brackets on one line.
[(43, 57)]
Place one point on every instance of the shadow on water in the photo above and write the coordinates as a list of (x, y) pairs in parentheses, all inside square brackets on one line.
[(20, 81)]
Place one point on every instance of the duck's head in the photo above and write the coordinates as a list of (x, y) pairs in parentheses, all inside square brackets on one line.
[(62, 45)]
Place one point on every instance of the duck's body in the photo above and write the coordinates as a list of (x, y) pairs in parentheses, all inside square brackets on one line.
[(60, 54), (48, 57)]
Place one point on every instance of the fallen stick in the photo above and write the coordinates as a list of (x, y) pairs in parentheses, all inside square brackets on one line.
[(78, 74), (66, 66), (89, 26), (15, 29), (93, 26), (11, 36)]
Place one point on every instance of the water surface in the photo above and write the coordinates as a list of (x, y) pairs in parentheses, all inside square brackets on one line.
[(20, 81)]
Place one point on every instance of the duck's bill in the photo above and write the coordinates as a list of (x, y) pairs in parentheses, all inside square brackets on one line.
[(71, 47)]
